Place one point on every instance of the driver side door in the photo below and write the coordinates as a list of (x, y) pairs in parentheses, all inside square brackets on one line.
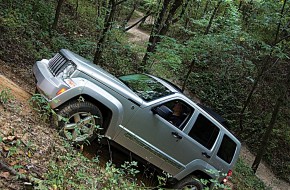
[(151, 135)]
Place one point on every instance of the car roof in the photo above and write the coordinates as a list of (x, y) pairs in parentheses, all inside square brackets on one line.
[(215, 115), (172, 84)]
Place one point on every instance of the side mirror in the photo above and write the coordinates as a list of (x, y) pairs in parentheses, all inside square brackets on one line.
[(163, 111)]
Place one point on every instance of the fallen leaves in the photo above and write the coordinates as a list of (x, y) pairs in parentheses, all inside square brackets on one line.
[(9, 138), (4, 175), (5, 148)]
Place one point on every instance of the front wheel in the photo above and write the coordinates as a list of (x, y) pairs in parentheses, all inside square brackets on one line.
[(79, 121), (189, 182)]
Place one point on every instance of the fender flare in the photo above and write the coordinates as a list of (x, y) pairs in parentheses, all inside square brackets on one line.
[(88, 88), (196, 165)]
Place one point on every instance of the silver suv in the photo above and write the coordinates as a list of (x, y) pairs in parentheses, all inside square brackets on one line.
[(144, 114)]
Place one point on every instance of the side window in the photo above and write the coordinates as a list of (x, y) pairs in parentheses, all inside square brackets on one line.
[(176, 112), (227, 149), (204, 131)]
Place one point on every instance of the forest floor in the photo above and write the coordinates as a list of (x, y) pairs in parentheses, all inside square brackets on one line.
[(24, 114), (19, 121)]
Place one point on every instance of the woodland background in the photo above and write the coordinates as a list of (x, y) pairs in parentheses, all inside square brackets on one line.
[(233, 55)]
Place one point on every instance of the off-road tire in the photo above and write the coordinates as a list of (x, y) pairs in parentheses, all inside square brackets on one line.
[(78, 113), (189, 182)]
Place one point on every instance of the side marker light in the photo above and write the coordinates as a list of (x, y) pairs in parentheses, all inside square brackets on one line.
[(61, 91)]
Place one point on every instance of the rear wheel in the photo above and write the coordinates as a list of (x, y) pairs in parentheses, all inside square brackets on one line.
[(79, 122), (189, 182)]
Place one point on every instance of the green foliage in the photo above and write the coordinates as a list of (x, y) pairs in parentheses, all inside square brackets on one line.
[(245, 179), (118, 56), (5, 95), (41, 105), (215, 182), (168, 54), (73, 170)]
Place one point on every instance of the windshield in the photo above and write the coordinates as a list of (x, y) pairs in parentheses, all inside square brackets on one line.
[(145, 86)]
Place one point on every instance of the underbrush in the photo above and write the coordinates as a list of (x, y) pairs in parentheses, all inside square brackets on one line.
[(56, 164), (72, 170), (244, 178)]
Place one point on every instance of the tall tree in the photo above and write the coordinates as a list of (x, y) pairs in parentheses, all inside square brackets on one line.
[(161, 26), (110, 16), (265, 65), (283, 88), (57, 13), (271, 125), (205, 8), (129, 16), (213, 16)]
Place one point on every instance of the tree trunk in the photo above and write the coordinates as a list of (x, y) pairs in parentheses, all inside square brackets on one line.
[(161, 27), (240, 5), (129, 16), (154, 32), (187, 75), (108, 23), (169, 19), (188, 16), (57, 13), (249, 97), (212, 17), (247, 13), (111, 10), (184, 7), (280, 20), (197, 9), (269, 130), (267, 134), (264, 68), (205, 8), (77, 7), (98, 5)]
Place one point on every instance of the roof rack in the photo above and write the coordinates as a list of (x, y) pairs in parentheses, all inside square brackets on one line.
[(172, 84), (215, 115)]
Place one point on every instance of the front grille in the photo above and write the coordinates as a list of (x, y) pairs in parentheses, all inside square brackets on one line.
[(57, 64)]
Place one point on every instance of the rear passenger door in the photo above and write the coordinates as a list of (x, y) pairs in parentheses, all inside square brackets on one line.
[(204, 134), (225, 155)]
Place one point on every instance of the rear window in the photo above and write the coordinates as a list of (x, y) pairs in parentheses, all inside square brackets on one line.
[(204, 131), (227, 149)]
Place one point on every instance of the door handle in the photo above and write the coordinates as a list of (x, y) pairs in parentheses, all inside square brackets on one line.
[(176, 135), (205, 155)]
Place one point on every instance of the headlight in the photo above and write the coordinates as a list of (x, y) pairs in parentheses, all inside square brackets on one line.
[(68, 71)]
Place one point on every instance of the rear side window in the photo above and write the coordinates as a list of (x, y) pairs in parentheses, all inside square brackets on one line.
[(204, 131), (227, 149)]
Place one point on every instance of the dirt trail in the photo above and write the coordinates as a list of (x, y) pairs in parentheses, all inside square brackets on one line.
[(263, 172), (15, 90), (138, 35)]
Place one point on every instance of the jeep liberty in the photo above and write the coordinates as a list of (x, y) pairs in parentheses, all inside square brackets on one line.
[(144, 114)]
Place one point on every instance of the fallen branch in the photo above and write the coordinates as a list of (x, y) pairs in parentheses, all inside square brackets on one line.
[(139, 21), (5, 167), (22, 177)]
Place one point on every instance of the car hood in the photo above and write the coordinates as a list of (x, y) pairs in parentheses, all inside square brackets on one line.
[(100, 75)]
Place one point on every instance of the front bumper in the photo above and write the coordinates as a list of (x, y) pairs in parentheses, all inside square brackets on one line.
[(46, 83)]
